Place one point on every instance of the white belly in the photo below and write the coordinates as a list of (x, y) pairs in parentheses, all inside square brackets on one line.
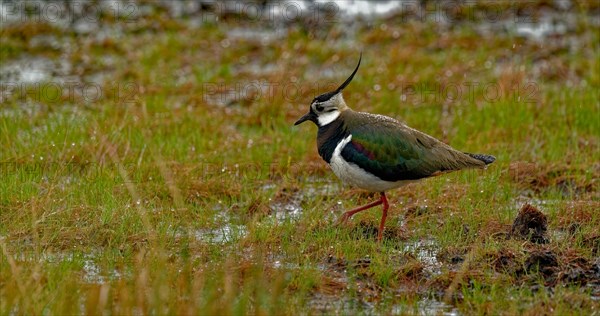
[(353, 175)]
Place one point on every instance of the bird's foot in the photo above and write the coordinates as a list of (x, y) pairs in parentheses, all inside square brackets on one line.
[(343, 219)]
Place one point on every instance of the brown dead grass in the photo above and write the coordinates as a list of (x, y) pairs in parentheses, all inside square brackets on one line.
[(495, 229), (568, 179), (332, 284), (312, 166), (579, 212), (203, 189)]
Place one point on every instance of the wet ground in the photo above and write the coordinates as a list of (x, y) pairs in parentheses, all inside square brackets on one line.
[(72, 61)]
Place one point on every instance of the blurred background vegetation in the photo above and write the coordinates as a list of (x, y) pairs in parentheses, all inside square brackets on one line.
[(149, 165)]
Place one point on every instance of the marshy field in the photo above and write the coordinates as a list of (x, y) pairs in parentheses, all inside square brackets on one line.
[(149, 162)]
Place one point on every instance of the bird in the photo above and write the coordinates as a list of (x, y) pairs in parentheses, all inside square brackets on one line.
[(378, 153)]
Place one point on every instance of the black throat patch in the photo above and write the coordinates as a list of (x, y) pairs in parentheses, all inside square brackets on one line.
[(329, 136)]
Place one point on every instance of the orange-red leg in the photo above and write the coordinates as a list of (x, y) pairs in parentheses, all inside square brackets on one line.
[(349, 214), (386, 206), (382, 200)]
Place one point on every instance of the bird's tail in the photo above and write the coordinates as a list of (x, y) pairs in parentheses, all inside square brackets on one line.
[(487, 159)]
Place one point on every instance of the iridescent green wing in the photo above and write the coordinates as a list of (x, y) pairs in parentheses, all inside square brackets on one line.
[(391, 151)]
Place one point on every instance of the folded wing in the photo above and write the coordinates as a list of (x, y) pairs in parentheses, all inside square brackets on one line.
[(393, 151)]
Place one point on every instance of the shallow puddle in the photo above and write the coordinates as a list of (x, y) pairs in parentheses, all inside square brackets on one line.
[(366, 7), (336, 304), (425, 251), (262, 36), (425, 307), (28, 70), (222, 235), (93, 274), (322, 188), (540, 31), (90, 273), (289, 210)]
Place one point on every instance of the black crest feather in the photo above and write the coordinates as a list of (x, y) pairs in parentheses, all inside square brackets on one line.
[(328, 95), (351, 76)]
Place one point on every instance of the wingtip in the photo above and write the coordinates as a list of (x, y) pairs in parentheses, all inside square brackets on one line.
[(487, 159)]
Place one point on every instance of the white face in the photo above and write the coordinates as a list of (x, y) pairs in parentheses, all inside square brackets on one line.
[(327, 111)]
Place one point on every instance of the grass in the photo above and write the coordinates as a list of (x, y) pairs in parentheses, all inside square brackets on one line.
[(173, 194)]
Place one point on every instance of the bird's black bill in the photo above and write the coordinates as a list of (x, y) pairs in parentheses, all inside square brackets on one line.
[(307, 117)]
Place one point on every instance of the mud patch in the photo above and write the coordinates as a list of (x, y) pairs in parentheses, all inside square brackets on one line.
[(453, 255), (505, 261), (563, 269), (331, 296), (341, 265), (543, 261), (531, 224), (580, 271)]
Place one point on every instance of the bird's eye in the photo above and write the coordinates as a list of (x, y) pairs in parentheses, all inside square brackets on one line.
[(319, 107)]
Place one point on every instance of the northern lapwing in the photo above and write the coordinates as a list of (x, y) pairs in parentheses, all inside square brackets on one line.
[(378, 153)]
